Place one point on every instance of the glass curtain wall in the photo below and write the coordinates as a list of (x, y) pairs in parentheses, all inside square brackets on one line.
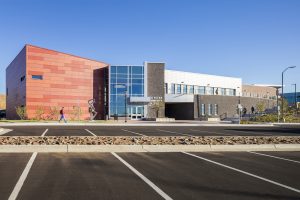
[(127, 80)]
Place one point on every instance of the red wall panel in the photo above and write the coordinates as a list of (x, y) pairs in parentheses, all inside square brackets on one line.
[(68, 81)]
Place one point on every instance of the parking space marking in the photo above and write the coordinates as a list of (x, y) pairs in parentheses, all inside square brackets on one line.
[(262, 154), (212, 132), (90, 132), (44, 133), (244, 172), (175, 132), (133, 132), (145, 179), (4, 131), (22, 178)]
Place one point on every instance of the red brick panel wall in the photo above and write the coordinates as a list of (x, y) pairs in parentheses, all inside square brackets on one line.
[(67, 81), (16, 89)]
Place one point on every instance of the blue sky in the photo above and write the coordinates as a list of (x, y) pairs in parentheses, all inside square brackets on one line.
[(254, 39)]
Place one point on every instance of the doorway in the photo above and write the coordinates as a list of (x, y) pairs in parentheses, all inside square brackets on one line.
[(137, 112)]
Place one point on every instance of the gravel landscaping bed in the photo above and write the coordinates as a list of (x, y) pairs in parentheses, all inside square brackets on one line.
[(138, 140)]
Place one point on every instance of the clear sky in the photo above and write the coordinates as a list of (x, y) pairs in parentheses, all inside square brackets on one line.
[(251, 39)]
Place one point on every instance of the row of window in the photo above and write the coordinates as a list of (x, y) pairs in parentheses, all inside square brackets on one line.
[(126, 70), (194, 89), (212, 109)]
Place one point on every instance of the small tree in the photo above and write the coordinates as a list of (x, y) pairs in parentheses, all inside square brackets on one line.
[(39, 112), (21, 112), (157, 105), (260, 106), (76, 113)]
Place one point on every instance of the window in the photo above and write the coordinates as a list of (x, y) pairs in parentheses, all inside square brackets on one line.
[(6, 91), (127, 80), (209, 90), (37, 77), (178, 89), (22, 78), (216, 91), (166, 88), (191, 89), (216, 109), (172, 88), (202, 109), (209, 109), (199, 90), (223, 91), (184, 89)]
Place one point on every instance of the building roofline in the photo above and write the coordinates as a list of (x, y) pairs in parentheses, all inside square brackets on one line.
[(66, 53)]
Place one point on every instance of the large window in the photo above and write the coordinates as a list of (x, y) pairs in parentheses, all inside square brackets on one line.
[(209, 109), (209, 90), (172, 88), (216, 110), (191, 89), (166, 88), (127, 80), (184, 89), (178, 89), (202, 109)]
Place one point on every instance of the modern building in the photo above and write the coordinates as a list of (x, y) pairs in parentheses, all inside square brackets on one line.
[(292, 98), (39, 77)]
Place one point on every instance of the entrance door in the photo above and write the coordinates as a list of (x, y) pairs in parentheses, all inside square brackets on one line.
[(137, 112)]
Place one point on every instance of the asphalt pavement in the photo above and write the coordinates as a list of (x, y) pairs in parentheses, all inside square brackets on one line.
[(214, 175), (151, 131)]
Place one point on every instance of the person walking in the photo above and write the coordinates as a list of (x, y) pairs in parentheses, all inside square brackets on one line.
[(62, 115)]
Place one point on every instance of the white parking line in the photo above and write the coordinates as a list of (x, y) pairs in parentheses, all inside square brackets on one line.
[(90, 132), (262, 154), (4, 131), (212, 132), (244, 172), (22, 178), (145, 179), (133, 132), (44, 133), (175, 132)]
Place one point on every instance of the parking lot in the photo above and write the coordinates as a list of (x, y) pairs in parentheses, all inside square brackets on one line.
[(214, 175), (150, 131)]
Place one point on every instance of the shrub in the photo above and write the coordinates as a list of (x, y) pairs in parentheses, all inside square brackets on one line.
[(53, 113), (76, 113), (40, 111), (21, 112)]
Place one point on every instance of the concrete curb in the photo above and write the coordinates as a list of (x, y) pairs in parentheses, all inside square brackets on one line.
[(145, 148), (132, 124)]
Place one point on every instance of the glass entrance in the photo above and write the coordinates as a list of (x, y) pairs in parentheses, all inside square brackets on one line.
[(137, 112)]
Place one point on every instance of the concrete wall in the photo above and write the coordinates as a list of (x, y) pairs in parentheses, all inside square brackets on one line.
[(155, 89), (16, 89), (259, 91), (228, 104)]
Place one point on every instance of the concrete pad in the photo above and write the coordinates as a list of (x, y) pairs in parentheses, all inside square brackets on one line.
[(176, 148), (244, 147), (32, 148), (105, 148)]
